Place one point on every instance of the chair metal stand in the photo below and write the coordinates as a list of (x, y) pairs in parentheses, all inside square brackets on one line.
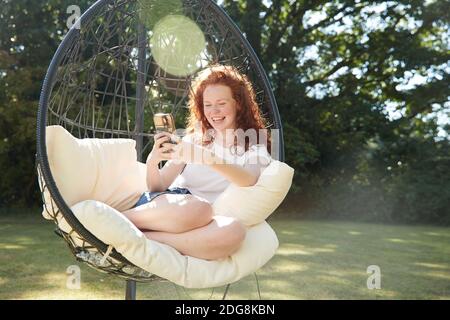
[(130, 291)]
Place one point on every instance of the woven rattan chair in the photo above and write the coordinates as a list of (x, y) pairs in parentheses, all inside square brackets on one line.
[(106, 80)]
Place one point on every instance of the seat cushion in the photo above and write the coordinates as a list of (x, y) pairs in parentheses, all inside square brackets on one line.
[(111, 227), (100, 178)]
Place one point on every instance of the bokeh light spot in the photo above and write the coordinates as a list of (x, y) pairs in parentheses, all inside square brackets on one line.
[(177, 44)]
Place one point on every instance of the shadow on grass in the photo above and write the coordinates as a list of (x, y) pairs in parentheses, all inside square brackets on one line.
[(35, 261), (316, 260)]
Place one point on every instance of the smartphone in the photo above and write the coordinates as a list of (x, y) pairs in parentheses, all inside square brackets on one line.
[(164, 122)]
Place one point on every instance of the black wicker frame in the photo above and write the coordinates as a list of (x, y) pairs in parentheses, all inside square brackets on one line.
[(103, 82)]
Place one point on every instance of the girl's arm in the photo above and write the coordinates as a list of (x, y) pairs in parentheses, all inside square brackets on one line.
[(236, 174), (242, 176), (161, 179)]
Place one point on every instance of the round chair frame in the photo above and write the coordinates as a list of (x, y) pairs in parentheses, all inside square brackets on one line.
[(68, 84)]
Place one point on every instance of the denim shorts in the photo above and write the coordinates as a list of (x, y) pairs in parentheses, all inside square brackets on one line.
[(148, 196)]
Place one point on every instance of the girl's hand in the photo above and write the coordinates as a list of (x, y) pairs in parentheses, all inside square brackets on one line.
[(189, 152), (162, 148)]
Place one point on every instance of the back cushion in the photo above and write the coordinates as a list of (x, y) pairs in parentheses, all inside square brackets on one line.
[(105, 170), (252, 205)]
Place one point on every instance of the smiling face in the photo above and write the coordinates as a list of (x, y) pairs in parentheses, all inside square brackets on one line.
[(219, 107)]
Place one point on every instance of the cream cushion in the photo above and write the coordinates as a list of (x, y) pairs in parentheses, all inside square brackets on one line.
[(102, 169), (258, 247), (252, 205), (98, 178)]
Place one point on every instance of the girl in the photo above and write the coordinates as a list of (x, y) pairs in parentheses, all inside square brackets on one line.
[(177, 209)]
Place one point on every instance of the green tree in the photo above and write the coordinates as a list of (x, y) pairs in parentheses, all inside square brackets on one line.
[(30, 34), (359, 85)]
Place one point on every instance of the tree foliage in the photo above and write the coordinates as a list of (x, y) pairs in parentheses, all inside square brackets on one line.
[(361, 87), (30, 34)]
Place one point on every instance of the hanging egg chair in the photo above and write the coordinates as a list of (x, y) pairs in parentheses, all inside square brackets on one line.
[(123, 62)]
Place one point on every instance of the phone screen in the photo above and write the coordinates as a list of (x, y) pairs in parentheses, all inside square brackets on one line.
[(164, 122)]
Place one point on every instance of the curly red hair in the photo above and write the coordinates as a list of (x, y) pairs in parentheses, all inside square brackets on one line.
[(248, 114)]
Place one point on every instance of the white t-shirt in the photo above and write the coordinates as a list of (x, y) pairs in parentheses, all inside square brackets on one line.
[(204, 182)]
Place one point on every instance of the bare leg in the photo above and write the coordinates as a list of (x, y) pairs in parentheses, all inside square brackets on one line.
[(219, 239), (171, 213)]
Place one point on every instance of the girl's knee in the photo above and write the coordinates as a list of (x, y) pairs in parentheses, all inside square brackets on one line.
[(234, 234), (195, 214), (227, 239), (204, 210)]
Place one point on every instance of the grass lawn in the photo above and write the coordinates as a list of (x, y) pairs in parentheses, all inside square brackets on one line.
[(316, 260)]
